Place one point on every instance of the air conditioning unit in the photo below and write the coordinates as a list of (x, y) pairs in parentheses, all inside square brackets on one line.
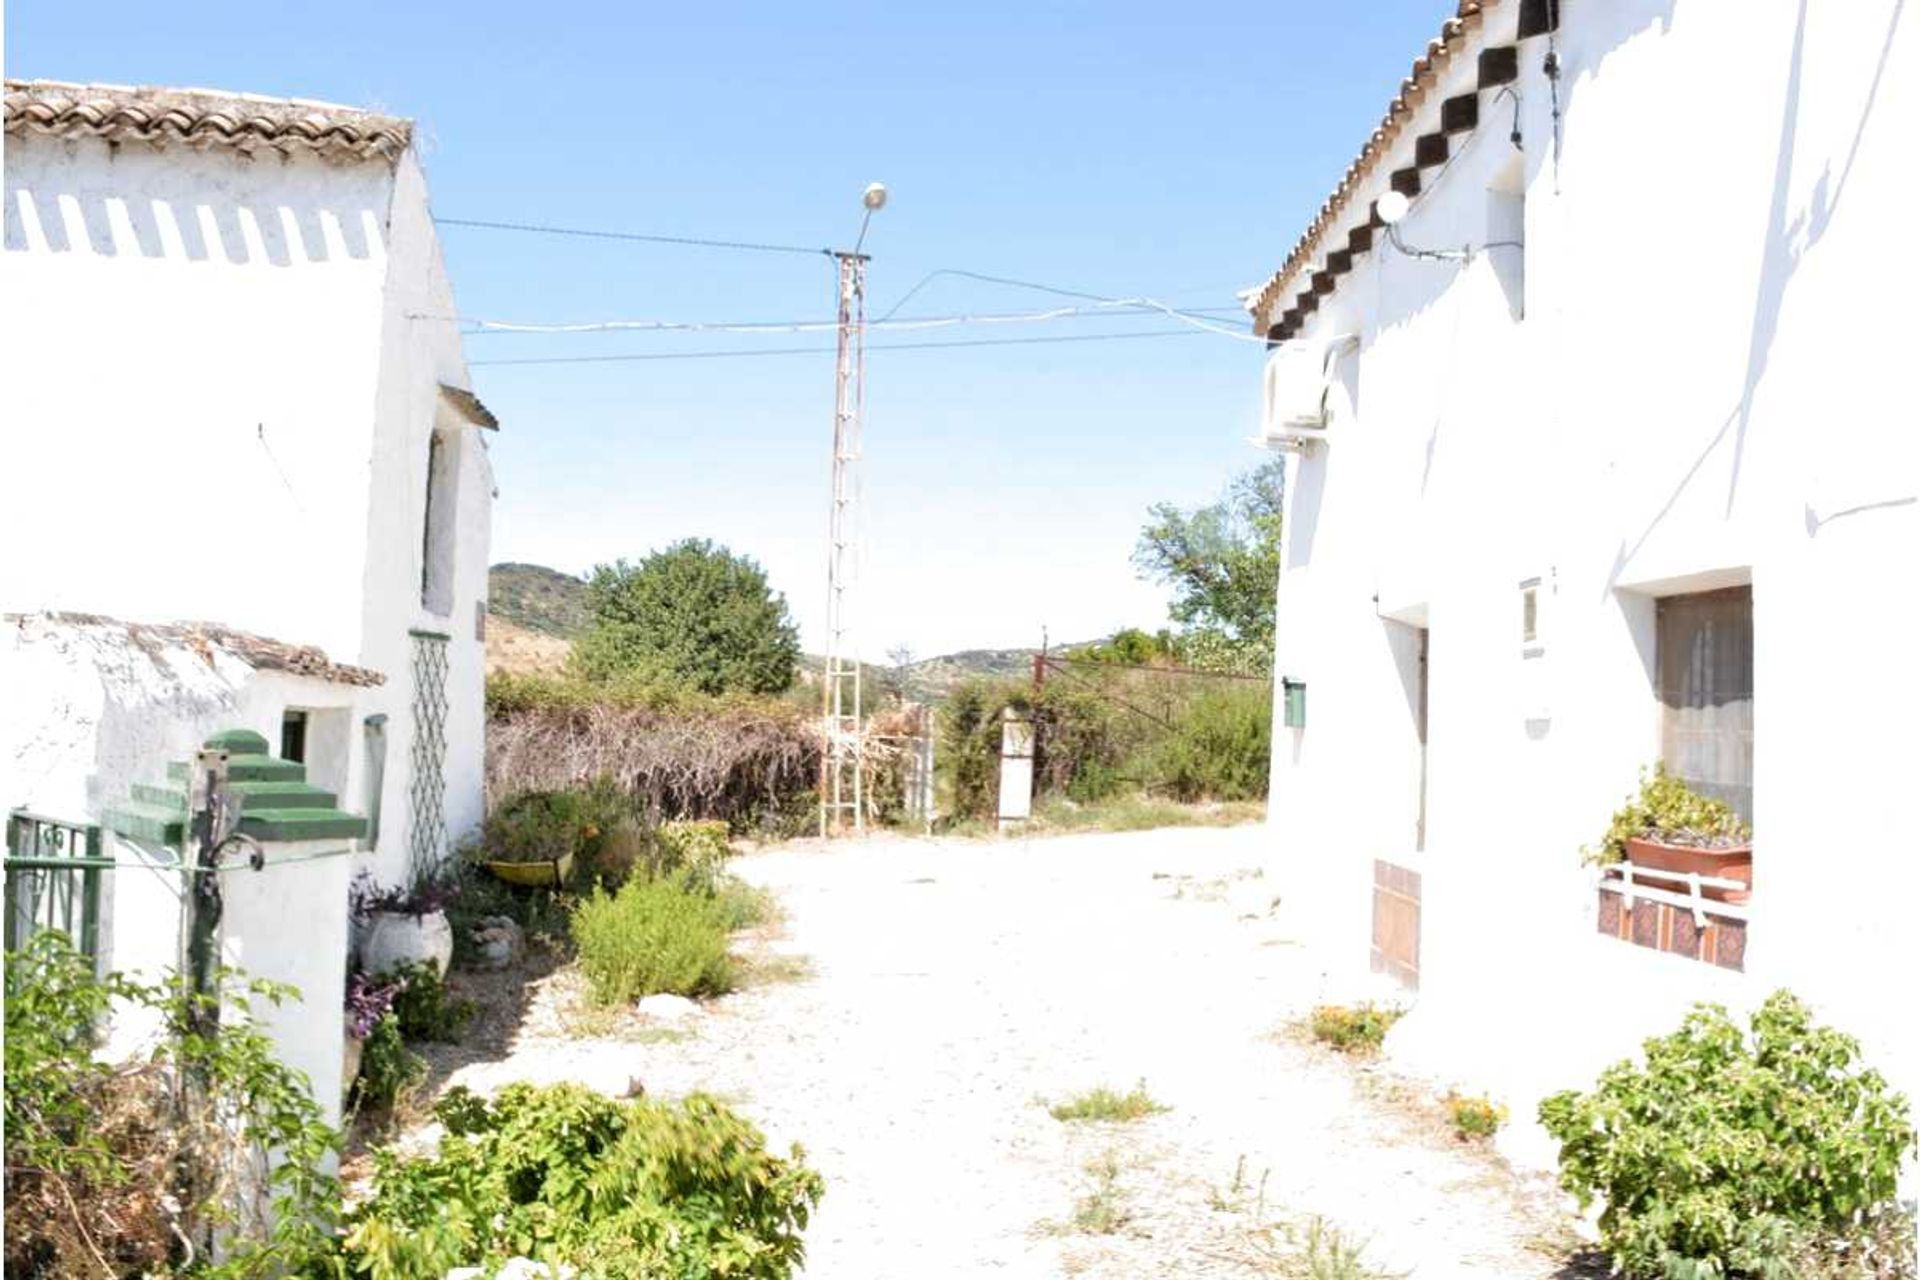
[(1294, 411)]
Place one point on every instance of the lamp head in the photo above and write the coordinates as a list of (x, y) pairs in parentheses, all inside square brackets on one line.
[(875, 196), (1392, 207)]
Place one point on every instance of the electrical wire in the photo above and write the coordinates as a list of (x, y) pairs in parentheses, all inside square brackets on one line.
[(698, 242), (809, 351), (1152, 304), (1121, 309)]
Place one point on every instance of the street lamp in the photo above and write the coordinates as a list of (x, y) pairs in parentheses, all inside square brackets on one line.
[(842, 788)]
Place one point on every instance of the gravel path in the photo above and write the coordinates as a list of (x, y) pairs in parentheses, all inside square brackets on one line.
[(955, 985)]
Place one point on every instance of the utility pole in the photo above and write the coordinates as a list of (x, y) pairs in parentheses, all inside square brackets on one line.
[(842, 756)]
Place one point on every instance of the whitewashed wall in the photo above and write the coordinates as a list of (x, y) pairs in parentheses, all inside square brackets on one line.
[(419, 350), (1708, 386), (189, 361), (221, 375)]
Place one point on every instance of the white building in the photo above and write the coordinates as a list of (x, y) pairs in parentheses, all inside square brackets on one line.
[(234, 391), (1604, 453)]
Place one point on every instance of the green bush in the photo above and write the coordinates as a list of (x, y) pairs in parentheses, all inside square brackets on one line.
[(653, 936), (110, 1165), (1220, 747), (425, 1009), (695, 850), (619, 1190), (1731, 1153), (1359, 1030), (389, 1071), (1666, 808)]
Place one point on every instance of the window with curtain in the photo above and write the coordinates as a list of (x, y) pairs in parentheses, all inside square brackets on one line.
[(1704, 652)]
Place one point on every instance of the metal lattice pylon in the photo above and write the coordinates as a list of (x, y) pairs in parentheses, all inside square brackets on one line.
[(427, 780), (841, 802)]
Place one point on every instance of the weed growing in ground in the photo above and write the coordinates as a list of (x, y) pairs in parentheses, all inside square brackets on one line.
[(1107, 1105), (1315, 1250), (1234, 1199), (1105, 1209), (767, 969), (1358, 1030), (1474, 1119)]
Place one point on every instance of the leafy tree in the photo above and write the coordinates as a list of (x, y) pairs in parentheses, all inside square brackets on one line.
[(695, 616), (1222, 560)]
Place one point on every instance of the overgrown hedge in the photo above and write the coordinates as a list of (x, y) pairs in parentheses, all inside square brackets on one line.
[(1098, 733), (751, 762)]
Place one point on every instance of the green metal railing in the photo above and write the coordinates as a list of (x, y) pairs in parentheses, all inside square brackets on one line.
[(53, 879)]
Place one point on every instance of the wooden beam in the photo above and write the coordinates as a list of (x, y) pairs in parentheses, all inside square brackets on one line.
[(1407, 182), (1429, 149)]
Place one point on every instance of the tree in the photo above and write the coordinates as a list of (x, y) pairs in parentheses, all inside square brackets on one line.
[(692, 616), (1222, 560)]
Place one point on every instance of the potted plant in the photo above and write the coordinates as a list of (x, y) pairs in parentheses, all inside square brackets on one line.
[(533, 838), (1668, 826), (403, 925), (368, 1001)]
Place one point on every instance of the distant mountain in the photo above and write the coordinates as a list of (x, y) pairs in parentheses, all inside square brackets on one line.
[(544, 610), (538, 598)]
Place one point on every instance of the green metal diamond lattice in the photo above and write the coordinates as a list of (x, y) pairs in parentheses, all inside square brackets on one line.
[(427, 785)]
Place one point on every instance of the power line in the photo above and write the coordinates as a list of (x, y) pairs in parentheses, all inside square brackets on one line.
[(1128, 308), (586, 233), (811, 351)]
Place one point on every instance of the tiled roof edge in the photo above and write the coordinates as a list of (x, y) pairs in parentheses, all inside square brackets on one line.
[(203, 118)]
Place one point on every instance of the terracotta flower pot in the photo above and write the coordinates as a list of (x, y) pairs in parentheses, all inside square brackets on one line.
[(1732, 863)]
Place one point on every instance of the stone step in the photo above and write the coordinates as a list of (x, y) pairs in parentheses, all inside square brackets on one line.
[(301, 824), (147, 823), (253, 795), (249, 768)]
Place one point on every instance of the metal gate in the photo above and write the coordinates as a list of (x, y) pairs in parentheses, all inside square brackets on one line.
[(53, 880), (427, 780)]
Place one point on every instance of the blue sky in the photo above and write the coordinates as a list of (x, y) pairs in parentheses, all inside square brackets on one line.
[(1122, 149)]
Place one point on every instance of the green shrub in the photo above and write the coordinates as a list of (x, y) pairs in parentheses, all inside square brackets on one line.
[(1731, 1153), (110, 1165), (389, 1071), (546, 826), (1666, 808), (425, 1009), (653, 936), (1359, 1030), (696, 850), (619, 1190), (1220, 746), (1474, 1119)]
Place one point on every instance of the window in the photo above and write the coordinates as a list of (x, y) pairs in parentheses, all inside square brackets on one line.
[(1704, 657), (439, 522)]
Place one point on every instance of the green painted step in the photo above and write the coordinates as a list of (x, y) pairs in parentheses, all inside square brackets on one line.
[(148, 823), (253, 795), (302, 824), (276, 800), (250, 768)]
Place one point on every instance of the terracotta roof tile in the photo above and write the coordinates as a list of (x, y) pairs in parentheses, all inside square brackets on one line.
[(258, 652), (203, 118)]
